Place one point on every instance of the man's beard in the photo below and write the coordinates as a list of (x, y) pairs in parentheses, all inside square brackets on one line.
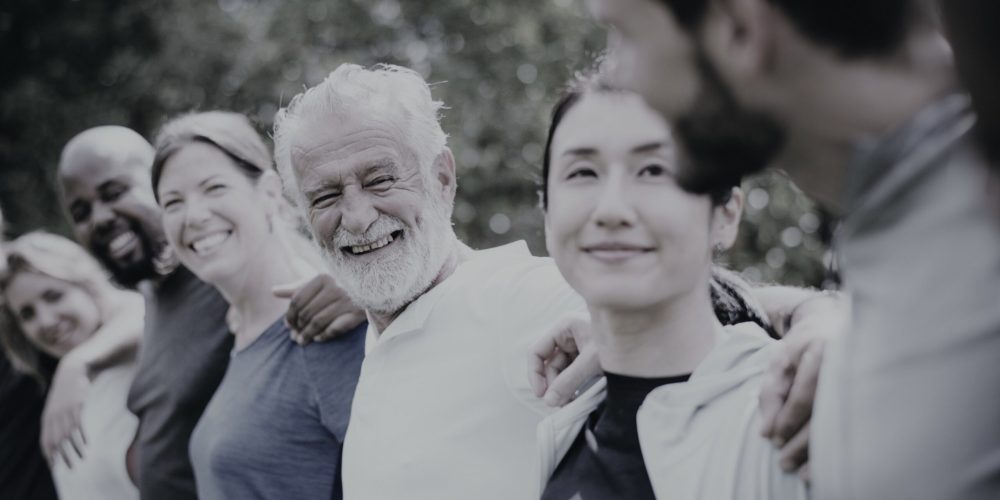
[(721, 140), (137, 268), (405, 269)]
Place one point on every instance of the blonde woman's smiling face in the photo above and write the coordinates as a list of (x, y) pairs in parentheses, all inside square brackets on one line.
[(56, 316)]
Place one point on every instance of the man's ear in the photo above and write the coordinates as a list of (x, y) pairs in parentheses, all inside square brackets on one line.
[(726, 220), (738, 36), (444, 172)]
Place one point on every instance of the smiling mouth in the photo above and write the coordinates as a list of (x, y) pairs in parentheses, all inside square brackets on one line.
[(123, 244), (57, 333), (209, 243), (616, 252), (372, 247)]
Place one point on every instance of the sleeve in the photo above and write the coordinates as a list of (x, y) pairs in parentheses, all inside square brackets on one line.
[(539, 297), (762, 472), (332, 369)]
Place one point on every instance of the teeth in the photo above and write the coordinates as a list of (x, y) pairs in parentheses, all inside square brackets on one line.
[(121, 242), (356, 249), (209, 243)]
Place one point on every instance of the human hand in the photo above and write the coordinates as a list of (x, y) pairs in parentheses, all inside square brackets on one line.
[(62, 436), (789, 388), (319, 309), (563, 360)]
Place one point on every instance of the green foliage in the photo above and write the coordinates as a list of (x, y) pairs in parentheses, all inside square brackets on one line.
[(498, 66)]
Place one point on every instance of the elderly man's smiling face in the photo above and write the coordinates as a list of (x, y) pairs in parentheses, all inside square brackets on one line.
[(382, 219)]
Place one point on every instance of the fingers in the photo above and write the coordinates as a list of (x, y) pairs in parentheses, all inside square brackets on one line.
[(796, 452), (341, 325), (563, 387), (287, 290), (774, 390), (558, 342), (76, 444), (301, 299), (795, 413), (539, 353), (804, 473), (556, 364)]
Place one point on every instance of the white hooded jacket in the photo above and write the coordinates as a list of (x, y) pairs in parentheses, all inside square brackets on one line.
[(700, 439)]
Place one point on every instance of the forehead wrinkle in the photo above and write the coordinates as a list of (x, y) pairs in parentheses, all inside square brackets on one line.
[(344, 143)]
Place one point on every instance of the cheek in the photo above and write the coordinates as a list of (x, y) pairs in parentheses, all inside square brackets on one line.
[(83, 310), (173, 224), (324, 223)]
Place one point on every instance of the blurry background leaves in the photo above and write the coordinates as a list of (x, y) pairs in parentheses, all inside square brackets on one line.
[(498, 66)]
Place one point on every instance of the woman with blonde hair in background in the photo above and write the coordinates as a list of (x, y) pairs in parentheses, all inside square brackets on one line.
[(57, 302)]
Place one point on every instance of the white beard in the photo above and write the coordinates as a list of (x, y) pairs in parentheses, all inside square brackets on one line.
[(404, 270)]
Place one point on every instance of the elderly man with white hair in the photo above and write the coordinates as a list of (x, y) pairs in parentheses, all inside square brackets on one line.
[(443, 408)]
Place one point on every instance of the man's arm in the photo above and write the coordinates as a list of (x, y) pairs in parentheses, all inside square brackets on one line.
[(319, 309), (806, 320), (781, 303), (564, 359)]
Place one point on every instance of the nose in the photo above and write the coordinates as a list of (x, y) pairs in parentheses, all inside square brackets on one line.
[(196, 213), (613, 209), (102, 217), (358, 213), (46, 320)]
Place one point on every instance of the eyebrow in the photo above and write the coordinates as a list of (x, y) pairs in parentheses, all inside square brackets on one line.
[(323, 185), (382, 164), (649, 147), (207, 180), (200, 184), (582, 151)]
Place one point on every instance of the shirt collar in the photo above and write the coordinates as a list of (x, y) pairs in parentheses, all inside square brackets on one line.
[(880, 163), (415, 315)]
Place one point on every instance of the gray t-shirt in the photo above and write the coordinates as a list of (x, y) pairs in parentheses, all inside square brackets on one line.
[(275, 427), (185, 349), (908, 404)]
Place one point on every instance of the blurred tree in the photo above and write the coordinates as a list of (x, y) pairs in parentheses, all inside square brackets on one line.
[(498, 66)]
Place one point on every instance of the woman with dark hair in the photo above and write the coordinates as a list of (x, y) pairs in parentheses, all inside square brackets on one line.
[(275, 426), (57, 301), (675, 415)]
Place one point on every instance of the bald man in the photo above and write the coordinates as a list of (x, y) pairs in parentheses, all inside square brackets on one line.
[(104, 177), (104, 174)]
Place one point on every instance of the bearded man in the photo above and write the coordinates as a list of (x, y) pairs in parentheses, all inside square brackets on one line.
[(857, 101), (443, 408)]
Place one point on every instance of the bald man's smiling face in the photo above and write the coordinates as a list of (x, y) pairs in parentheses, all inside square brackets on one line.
[(114, 214)]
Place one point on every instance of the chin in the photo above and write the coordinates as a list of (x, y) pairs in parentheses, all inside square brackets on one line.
[(618, 293)]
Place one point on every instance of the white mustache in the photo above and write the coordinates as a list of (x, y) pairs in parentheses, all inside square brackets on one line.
[(382, 227)]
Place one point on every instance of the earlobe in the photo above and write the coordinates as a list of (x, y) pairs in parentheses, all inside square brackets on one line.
[(444, 167)]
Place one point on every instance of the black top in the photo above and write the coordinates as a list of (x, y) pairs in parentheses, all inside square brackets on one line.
[(23, 472), (184, 354), (605, 461)]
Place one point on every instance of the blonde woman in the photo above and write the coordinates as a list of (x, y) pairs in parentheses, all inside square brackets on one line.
[(275, 426), (58, 302)]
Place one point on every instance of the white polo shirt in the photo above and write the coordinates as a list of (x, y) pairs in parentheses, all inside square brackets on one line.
[(443, 409)]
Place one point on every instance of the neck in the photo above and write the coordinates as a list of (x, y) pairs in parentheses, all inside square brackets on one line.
[(253, 305), (830, 104), (660, 341), (459, 253)]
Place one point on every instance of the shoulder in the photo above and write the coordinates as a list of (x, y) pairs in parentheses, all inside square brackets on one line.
[(338, 357), (509, 279)]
